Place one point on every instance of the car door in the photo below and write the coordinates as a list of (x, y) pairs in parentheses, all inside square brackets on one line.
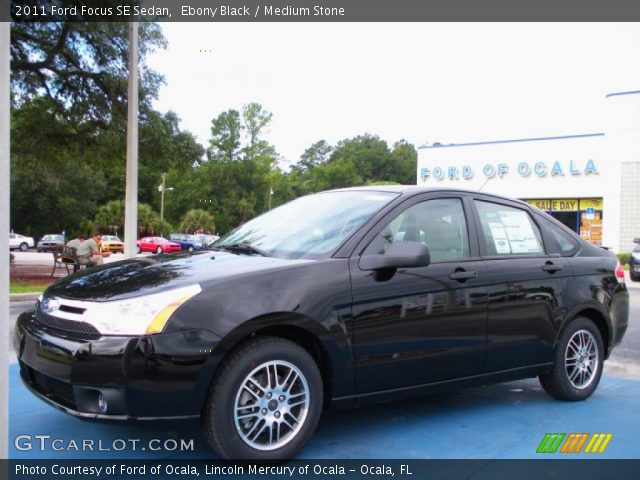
[(148, 244), (416, 326), (525, 285)]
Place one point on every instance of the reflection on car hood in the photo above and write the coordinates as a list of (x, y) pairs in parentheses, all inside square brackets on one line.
[(142, 276)]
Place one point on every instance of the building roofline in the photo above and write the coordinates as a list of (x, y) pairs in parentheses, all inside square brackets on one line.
[(493, 142), (617, 94)]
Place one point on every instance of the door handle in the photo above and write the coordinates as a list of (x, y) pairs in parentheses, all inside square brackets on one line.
[(550, 267), (462, 275)]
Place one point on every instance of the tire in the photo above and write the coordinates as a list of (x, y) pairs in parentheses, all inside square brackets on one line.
[(634, 277), (236, 438), (190, 249), (39, 250), (159, 250), (575, 383), (24, 247)]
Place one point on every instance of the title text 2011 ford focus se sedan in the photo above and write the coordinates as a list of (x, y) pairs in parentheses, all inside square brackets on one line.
[(335, 299)]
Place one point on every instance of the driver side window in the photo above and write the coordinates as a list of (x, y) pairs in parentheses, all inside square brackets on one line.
[(439, 224)]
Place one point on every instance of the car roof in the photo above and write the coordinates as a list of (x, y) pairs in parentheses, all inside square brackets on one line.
[(410, 190)]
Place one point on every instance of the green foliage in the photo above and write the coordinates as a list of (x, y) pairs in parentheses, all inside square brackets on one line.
[(624, 258), (197, 220), (69, 85), (110, 219), (82, 66)]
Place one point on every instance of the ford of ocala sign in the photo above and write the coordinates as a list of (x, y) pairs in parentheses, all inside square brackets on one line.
[(524, 169)]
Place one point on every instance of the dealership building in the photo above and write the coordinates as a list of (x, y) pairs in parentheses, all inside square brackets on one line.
[(588, 181)]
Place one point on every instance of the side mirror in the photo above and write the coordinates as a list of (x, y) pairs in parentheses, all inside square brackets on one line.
[(636, 240), (399, 255)]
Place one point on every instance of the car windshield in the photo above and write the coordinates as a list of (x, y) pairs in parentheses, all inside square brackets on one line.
[(58, 238), (309, 227), (110, 238)]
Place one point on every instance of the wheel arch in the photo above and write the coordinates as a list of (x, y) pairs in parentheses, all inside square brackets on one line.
[(596, 314), (297, 328)]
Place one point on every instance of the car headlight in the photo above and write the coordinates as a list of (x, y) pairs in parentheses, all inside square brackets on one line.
[(139, 315), (636, 255)]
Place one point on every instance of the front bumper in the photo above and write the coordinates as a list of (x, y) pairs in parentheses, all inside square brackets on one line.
[(113, 248), (115, 377)]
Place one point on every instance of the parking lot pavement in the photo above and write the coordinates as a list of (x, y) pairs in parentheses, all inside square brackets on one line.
[(506, 421), (32, 257)]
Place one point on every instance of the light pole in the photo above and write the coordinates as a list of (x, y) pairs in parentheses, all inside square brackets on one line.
[(162, 188)]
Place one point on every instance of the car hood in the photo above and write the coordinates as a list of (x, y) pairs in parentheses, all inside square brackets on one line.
[(143, 276)]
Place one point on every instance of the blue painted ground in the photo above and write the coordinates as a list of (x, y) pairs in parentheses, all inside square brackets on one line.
[(505, 421)]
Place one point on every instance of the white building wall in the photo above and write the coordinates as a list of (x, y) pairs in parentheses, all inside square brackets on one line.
[(623, 150), (577, 166)]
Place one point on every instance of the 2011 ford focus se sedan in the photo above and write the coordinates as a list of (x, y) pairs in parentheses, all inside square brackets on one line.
[(336, 299)]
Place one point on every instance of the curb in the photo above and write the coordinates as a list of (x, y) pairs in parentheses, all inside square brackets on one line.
[(23, 297)]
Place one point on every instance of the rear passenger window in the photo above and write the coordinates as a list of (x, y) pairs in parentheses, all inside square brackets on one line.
[(565, 243), (508, 230)]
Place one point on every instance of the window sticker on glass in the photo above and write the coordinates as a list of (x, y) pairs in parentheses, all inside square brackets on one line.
[(519, 231), (500, 239)]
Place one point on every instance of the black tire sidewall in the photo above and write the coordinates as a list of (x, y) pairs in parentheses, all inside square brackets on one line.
[(234, 446), (570, 391)]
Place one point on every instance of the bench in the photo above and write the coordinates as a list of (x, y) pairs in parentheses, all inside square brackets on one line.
[(64, 256)]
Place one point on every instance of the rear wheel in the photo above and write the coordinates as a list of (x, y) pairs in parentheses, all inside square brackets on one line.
[(265, 403), (578, 362), (24, 247)]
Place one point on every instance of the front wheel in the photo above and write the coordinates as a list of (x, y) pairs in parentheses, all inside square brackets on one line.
[(24, 247), (578, 362), (265, 403), (159, 250)]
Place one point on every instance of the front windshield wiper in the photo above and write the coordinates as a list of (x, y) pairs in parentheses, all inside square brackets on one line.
[(242, 247)]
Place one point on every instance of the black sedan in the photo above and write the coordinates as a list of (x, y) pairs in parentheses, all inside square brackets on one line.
[(634, 261), (336, 299)]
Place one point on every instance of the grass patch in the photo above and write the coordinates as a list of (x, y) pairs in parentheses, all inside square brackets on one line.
[(26, 287)]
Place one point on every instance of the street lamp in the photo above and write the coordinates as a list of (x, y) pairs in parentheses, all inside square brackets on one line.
[(162, 188)]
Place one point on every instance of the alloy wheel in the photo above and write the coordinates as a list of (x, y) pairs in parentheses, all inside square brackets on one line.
[(271, 405), (581, 359)]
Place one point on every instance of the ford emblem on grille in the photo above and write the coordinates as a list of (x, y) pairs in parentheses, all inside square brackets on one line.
[(49, 305)]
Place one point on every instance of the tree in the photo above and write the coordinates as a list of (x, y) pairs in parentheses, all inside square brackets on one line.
[(225, 136), (315, 155), (255, 119), (110, 218), (82, 66), (197, 220), (405, 160)]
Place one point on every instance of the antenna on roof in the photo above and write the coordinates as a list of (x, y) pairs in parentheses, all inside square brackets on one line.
[(485, 182)]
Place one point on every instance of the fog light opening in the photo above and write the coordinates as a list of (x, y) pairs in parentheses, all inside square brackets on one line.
[(102, 403)]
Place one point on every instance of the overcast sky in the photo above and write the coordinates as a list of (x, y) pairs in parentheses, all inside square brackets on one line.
[(421, 82)]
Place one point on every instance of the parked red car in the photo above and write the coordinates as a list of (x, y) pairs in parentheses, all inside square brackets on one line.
[(157, 245)]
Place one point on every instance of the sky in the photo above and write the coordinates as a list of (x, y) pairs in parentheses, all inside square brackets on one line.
[(423, 82)]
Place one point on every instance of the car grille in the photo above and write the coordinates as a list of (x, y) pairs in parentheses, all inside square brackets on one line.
[(60, 392), (82, 329)]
